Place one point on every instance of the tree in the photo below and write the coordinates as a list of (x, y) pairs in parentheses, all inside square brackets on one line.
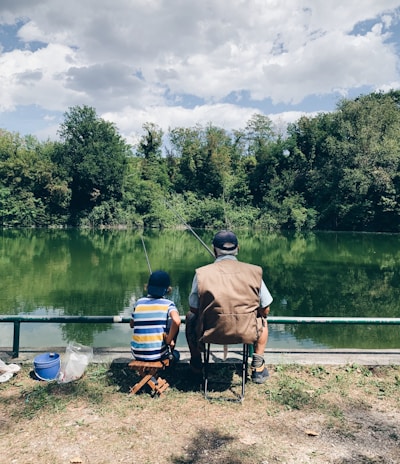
[(370, 131), (349, 163), (32, 192), (93, 156), (318, 161), (260, 141), (153, 165)]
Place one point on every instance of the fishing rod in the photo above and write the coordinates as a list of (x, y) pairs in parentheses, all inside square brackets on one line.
[(191, 230), (147, 256), (204, 245), (170, 349)]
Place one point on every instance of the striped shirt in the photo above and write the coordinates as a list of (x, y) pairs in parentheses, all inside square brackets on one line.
[(150, 317)]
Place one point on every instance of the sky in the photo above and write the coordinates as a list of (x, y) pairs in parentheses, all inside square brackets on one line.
[(179, 63)]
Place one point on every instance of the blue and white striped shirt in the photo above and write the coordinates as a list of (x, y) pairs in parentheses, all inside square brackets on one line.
[(150, 317)]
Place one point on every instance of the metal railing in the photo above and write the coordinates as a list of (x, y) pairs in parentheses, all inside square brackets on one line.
[(18, 319)]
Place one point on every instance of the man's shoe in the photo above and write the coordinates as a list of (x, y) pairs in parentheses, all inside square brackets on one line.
[(196, 366), (259, 374)]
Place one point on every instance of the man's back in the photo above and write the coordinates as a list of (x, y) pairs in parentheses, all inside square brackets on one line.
[(228, 301)]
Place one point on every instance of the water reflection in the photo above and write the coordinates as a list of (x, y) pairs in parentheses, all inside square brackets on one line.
[(98, 273)]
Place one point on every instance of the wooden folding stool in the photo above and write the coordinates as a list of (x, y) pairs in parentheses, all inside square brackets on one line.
[(148, 371)]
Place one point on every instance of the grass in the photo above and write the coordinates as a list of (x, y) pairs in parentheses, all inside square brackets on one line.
[(294, 387), (340, 405)]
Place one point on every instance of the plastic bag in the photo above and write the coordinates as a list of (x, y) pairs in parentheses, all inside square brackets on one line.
[(76, 359), (13, 368), (7, 371)]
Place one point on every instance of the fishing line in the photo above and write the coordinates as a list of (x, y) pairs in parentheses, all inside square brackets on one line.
[(191, 230), (147, 256), (170, 350), (205, 246)]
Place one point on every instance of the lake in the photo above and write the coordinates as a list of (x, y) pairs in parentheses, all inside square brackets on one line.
[(85, 272)]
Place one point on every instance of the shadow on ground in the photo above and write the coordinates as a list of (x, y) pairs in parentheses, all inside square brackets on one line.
[(222, 378), (211, 446)]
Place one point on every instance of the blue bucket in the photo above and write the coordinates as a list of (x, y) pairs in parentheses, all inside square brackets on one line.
[(47, 366)]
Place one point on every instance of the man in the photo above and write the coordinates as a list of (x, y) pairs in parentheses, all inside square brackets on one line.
[(229, 303)]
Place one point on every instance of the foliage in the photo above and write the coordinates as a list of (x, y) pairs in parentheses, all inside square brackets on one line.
[(332, 171), (31, 191), (348, 164), (94, 157)]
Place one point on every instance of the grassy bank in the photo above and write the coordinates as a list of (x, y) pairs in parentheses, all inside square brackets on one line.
[(303, 414)]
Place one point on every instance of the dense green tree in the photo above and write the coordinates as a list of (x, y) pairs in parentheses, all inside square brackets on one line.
[(32, 194), (187, 147), (259, 143), (153, 165), (204, 159), (208, 167), (94, 158), (318, 163), (370, 134), (336, 171), (349, 163)]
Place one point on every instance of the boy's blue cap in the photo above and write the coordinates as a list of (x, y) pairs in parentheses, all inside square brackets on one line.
[(159, 282), (225, 240)]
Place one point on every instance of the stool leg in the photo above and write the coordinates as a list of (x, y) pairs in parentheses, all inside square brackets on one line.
[(139, 385)]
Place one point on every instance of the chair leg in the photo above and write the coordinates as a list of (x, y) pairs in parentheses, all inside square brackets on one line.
[(206, 367), (245, 360)]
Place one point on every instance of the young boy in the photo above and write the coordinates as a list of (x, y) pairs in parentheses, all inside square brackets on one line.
[(155, 321)]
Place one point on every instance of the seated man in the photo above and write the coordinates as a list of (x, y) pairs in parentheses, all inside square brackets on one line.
[(155, 321), (229, 303)]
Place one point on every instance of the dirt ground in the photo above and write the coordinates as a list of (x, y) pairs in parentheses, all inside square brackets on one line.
[(302, 414)]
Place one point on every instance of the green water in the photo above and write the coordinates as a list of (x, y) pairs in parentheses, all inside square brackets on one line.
[(73, 272)]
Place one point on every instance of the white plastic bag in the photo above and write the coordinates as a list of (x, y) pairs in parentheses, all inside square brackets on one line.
[(7, 371), (13, 368), (76, 359)]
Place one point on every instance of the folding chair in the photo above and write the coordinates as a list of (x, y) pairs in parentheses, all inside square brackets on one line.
[(148, 371), (245, 357)]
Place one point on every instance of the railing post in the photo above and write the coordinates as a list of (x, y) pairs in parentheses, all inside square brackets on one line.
[(17, 326)]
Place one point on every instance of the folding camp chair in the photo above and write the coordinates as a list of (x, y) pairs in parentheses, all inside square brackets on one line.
[(245, 357), (148, 371)]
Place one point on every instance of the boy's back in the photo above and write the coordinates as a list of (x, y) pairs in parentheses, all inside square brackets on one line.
[(150, 324)]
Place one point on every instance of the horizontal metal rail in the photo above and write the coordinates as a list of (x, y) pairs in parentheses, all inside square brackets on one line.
[(18, 319)]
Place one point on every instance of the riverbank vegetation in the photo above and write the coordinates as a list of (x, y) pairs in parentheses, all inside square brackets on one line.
[(332, 171)]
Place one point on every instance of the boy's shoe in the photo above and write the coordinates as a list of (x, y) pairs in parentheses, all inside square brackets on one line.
[(259, 374), (176, 355)]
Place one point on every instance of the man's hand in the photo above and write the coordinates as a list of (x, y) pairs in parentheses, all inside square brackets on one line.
[(263, 312)]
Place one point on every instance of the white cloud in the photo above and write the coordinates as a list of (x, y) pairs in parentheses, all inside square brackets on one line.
[(130, 121), (142, 59), (36, 77)]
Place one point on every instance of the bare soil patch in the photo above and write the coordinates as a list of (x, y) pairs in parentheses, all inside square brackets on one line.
[(302, 414)]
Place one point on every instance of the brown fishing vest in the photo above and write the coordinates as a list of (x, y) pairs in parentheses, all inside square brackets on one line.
[(228, 301)]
